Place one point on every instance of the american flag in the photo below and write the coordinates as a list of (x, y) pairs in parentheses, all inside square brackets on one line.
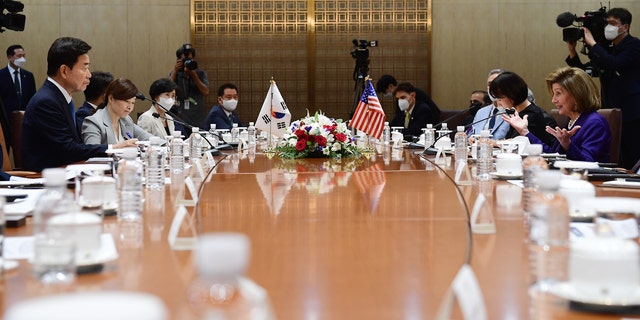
[(369, 116)]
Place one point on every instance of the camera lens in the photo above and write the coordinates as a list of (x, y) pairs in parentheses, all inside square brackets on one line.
[(190, 64)]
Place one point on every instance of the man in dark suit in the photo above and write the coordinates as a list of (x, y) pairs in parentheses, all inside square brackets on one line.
[(387, 85), (93, 95), (50, 137), (17, 86), (415, 114), (224, 114)]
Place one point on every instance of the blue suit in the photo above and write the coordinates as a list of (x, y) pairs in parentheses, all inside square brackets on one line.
[(220, 118), (8, 91), (49, 134), (500, 128)]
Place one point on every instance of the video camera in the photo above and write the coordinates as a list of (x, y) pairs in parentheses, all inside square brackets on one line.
[(360, 52), (191, 64), (11, 20), (595, 21)]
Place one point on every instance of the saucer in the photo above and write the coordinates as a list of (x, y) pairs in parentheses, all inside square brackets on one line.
[(106, 253), (567, 291), (506, 175)]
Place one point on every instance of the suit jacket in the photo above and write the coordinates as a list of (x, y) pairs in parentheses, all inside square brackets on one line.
[(420, 116), (592, 142), (500, 128), (8, 92), (154, 125), (84, 111), (49, 134), (96, 129), (220, 118)]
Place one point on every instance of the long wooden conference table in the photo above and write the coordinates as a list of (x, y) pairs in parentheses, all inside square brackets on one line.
[(370, 238)]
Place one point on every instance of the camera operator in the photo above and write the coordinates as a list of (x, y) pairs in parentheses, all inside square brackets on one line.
[(620, 78), (193, 86)]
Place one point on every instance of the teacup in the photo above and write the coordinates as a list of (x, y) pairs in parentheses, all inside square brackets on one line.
[(509, 163), (604, 268), (84, 228), (575, 191)]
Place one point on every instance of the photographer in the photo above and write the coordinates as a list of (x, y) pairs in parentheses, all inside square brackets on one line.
[(620, 76), (193, 86)]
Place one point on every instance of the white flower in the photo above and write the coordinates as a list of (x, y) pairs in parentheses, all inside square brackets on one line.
[(336, 146)]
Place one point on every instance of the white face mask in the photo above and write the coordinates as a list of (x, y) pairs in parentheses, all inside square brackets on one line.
[(403, 104), (166, 102), (20, 62), (493, 99), (230, 105), (611, 32)]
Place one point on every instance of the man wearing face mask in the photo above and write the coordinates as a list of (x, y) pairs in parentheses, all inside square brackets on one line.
[(386, 85), (620, 78), (17, 85), (155, 120), (415, 114), (496, 125), (224, 114)]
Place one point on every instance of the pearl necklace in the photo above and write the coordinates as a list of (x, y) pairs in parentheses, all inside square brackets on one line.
[(572, 122)]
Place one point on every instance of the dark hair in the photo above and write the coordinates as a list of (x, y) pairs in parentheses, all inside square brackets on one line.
[(485, 96), (161, 86), (384, 82), (121, 89), (226, 86), (509, 85), (405, 87), (620, 13), (98, 84), (65, 51), (180, 51), (12, 49)]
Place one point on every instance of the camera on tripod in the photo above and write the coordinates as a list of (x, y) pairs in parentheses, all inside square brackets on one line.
[(595, 21), (187, 50), (360, 51), (11, 20)]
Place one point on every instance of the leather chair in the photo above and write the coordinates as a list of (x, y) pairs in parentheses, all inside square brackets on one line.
[(16, 137), (7, 161), (614, 118), (455, 121)]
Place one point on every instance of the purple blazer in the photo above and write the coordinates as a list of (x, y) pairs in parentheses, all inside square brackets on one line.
[(592, 142)]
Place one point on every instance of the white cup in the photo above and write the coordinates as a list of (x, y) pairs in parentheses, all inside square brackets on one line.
[(221, 259), (84, 229), (604, 268), (509, 163)]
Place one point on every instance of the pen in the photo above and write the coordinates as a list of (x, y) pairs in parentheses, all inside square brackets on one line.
[(129, 135)]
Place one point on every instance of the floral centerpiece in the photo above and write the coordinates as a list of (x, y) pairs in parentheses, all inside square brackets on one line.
[(317, 136)]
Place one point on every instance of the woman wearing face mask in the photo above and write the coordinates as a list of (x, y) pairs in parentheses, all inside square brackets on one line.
[(155, 120), (224, 114), (511, 91), (112, 123), (587, 136), (414, 114)]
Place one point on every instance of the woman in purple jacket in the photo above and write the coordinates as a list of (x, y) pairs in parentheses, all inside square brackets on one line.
[(587, 136)]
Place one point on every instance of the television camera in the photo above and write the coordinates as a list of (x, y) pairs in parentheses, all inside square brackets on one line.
[(360, 52), (595, 21), (11, 20)]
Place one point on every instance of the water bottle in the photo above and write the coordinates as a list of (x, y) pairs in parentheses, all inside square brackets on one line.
[(130, 186), (485, 156), (177, 153), (251, 136), (195, 145), (386, 134), (235, 133), (155, 164), (443, 141), (549, 232), (213, 135), (460, 141), (530, 165), (429, 136)]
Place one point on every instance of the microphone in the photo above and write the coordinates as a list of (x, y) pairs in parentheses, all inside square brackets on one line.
[(432, 150), (565, 19), (472, 108)]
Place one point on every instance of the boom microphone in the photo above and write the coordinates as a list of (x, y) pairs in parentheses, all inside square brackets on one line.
[(565, 19)]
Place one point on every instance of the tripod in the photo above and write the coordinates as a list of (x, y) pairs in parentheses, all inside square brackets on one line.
[(359, 73)]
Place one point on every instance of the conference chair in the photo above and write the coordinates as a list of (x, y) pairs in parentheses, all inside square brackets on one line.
[(7, 165), (16, 137), (613, 117)]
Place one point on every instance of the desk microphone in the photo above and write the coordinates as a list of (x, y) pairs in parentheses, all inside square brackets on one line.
[(432, 150)]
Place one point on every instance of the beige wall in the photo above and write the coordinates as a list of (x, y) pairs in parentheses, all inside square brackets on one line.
[(137, 39), (472, 37)]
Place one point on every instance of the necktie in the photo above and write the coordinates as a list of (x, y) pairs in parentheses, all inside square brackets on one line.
[(407, 117), (492, 121), (73, 111), (16, 82)]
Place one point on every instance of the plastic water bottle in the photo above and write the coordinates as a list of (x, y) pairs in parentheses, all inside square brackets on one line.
[(155, 164), (549, 233), (251, 135), (130, 186), (485, 156), (386, 134), (429, 136), (235, 133), (460, 141), (195, 145), (530, 165), (213, 135), (444, 142), (177, 153)]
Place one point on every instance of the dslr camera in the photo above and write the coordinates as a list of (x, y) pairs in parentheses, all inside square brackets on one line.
[(595, 21), (191, 64)]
